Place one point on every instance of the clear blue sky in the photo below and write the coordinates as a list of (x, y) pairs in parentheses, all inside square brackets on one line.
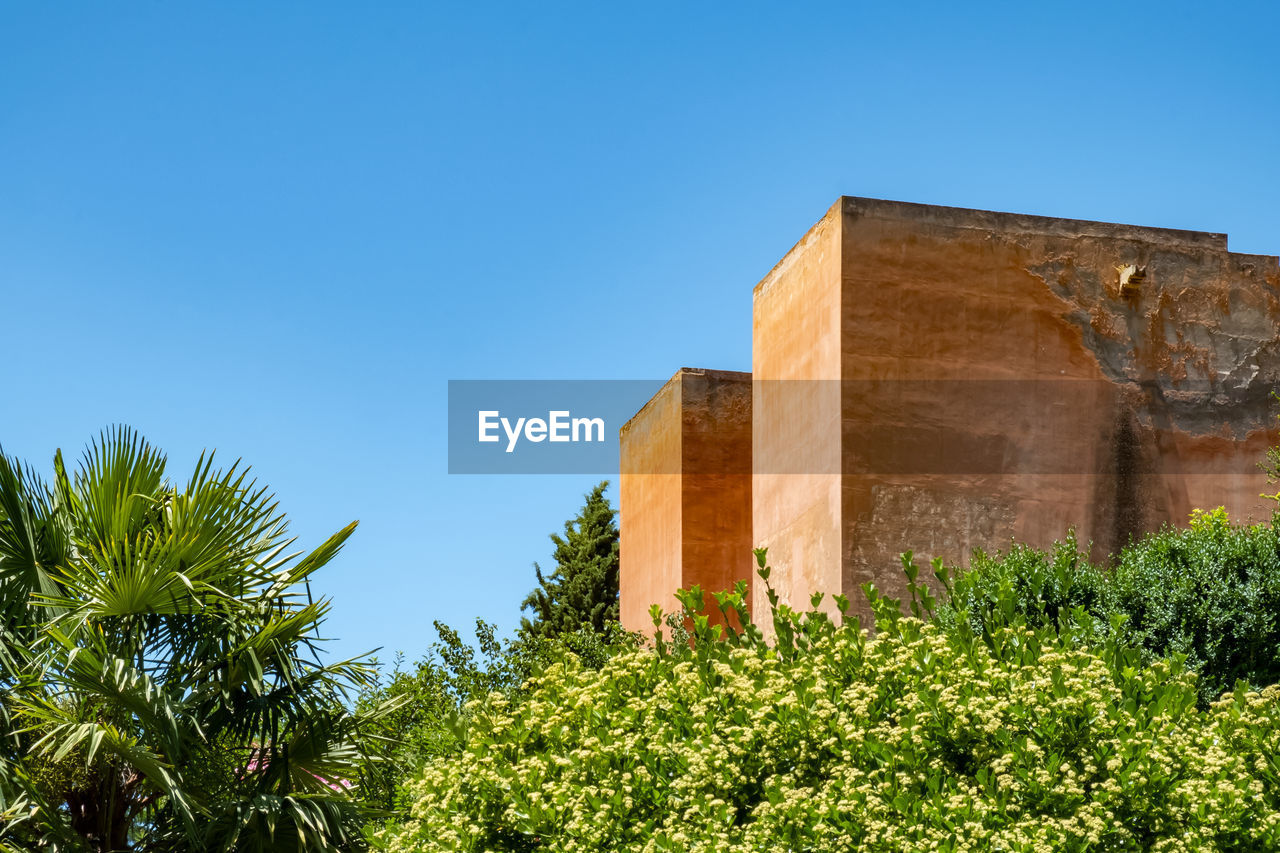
[(278, 229)]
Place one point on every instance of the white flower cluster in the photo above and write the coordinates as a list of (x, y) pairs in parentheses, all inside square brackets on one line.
[(915, 740)]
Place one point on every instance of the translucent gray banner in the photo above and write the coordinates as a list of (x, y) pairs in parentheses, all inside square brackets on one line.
[(537, 426), (713, 424)]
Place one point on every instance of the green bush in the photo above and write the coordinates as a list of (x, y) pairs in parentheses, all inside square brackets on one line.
[(1210, 593), (934, 737), (1041, 587)]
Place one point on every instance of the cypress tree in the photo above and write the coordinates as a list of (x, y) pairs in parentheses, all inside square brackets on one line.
[(583, 589)]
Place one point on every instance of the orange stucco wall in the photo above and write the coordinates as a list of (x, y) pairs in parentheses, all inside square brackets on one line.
[(795, 355), (685, 493), (649, 500)]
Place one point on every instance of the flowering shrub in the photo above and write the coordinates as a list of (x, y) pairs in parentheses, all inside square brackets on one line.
[(432, 701), (918, 737)]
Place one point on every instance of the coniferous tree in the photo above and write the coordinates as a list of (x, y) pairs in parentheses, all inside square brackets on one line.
[(583, 589)]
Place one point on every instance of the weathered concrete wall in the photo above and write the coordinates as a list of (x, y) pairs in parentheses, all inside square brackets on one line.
[(685, 493), (1029, 391)]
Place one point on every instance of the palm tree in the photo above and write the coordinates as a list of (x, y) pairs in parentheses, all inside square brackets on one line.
[(159, 662)]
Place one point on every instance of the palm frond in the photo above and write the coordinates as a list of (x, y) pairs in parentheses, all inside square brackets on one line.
[(161, 635)]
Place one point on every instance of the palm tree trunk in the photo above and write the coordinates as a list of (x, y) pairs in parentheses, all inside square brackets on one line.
[(100, 814)]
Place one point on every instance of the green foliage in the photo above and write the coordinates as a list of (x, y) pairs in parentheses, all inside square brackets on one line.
[(161, 688), (575, 615), (427, 717), (1270, 463), (416, 728), (919, 737), (1038, 587), (1210, 593), (432, 704), (583, 589)]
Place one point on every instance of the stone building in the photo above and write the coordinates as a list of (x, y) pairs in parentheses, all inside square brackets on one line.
[(940, 379)]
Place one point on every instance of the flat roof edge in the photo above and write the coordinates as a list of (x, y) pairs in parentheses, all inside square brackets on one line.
[(739, 375), (963, 217)]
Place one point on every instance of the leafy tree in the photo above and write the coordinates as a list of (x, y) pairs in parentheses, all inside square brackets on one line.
[(163, 689), (433, 702), (428, 703), (583, 589)]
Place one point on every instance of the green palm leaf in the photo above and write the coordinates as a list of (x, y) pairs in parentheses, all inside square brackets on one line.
[(159, 651)]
